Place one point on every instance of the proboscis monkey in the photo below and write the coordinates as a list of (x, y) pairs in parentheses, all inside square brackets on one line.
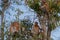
[(35, 28), (44, 6), (14, 27)]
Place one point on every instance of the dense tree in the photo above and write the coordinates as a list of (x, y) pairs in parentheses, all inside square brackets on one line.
[(47, 12)]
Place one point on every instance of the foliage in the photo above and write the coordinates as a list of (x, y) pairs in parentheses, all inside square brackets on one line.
[(23, 35), (50, 8), (26, 23), (54, 8), (52, 26)]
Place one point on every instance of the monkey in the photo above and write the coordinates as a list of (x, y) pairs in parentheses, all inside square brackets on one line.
[(35, 29), (14, 28), (44, 6)]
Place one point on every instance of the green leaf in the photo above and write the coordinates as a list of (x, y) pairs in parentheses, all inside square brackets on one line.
[(52, 26), (0, 12)]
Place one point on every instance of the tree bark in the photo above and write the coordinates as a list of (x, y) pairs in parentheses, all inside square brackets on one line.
[(2, 24), (48, 30), (43, 25), (5, 5)]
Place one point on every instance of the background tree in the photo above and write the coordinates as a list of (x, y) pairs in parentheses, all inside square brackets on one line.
[(4, 6)]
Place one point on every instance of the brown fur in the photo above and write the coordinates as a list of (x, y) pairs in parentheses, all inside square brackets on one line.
[(35, 29), (16, 27)]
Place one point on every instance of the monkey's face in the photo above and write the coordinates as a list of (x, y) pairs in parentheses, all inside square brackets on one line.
[(36, 24), (14, 27), (16, 24)]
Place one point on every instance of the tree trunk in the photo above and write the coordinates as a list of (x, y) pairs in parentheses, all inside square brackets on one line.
[(49, 27), (2, 24), (44, 29), (48, 34), (48, 30), (42, 20), (44, 34), (5, 4)]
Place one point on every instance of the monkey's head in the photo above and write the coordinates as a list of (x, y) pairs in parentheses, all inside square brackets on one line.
[(15, 27), (36, 24), (15, 24)]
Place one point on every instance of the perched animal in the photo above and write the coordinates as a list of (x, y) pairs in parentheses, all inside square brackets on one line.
[(14, 27), (44, 6), (35, 29)]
